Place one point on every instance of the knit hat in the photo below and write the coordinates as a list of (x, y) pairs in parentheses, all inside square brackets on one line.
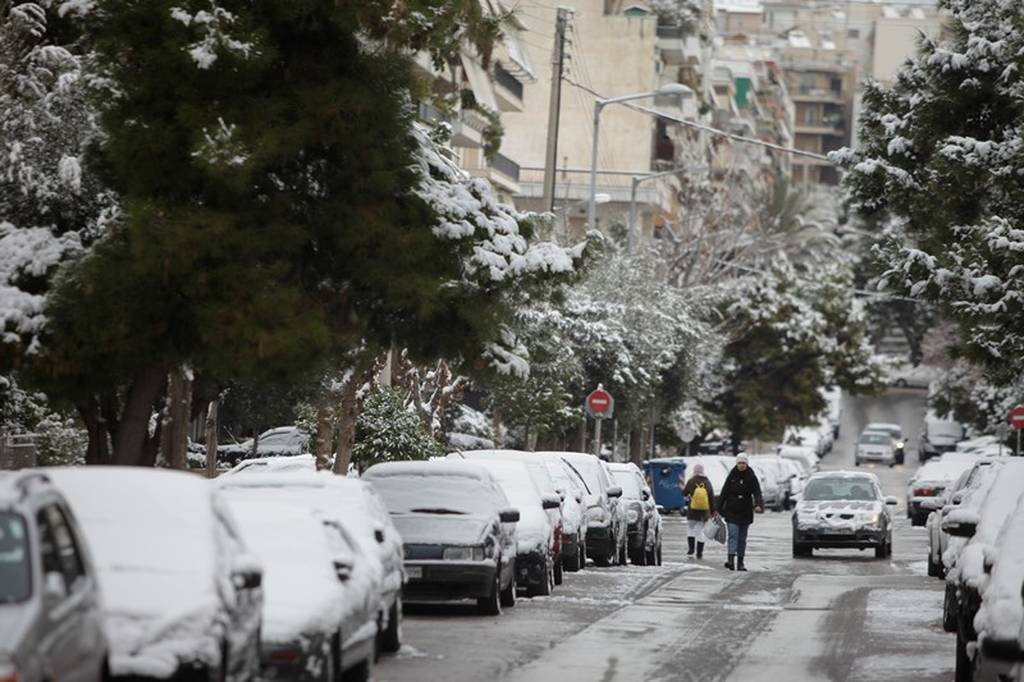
[(698, 469), (742, 458)]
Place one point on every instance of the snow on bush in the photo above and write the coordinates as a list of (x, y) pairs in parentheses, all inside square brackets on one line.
[(387, 431)]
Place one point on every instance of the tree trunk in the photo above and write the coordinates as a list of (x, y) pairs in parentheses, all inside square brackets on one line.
[(211, 438), (636, 445), (98, 449), (496, 427), (255, 443), (347, 424), (179, 410), (324, 435), (581, 436), (132, 442)]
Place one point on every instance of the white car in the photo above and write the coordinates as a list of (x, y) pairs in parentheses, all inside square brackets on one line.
[(806, 457), (606, 527), (318, 615), (772, 490), (642, 515), (894, 430), (355, 505), (282, 441), (181, 591), (817, 438), (875, 446), (786, 475), (931, 480)]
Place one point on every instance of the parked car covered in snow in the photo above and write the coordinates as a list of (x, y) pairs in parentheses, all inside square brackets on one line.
[(181, 591), (49, 592), (537, 532), (818, 438), (938, 436), (896, 431), (931, 480), (843, 510), (802, 455), (560, 479), (969, 574), (642, 516), (458, 531), (773, 485), (606, 520), (875, 446), (318, 618), (283, 441), (1000, 618), (356, 506)]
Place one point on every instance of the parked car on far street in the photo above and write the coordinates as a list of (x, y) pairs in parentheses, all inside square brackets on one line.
[(49, 592), (283, 441), (458, 530), (642, 515), (843, 510), (875, 446), (802, 455), (938, 436), (606, 526), (182, 595)]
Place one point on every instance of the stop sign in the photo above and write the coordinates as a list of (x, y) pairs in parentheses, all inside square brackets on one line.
[(600, 403), (1017, 417)]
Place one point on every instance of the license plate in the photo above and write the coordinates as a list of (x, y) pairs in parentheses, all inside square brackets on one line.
[(414, 571)]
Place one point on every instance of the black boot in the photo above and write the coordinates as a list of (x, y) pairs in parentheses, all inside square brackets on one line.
[(739, 563), (729, 563), (690, 543), (700, 550)]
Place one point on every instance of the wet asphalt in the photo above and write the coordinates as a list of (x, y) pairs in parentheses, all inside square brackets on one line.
[(840, 615)]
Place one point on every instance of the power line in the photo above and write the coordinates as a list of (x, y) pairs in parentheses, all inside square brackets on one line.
[(705, 128)]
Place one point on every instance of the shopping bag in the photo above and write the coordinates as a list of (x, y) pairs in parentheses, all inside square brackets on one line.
[(715, 530)]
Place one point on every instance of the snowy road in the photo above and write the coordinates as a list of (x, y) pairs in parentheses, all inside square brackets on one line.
[(841, 615)]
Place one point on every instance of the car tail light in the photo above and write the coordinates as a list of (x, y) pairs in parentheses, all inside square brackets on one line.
[(924, 491), (556, 543), (289, 655)]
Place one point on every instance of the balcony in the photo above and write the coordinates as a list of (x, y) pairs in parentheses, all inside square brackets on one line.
[(468, 128), (501, 171), (817, 95), (508, 90), (678, 46)]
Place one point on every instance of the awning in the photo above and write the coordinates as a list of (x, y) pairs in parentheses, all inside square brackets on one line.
[(479, 81), (517, 54)]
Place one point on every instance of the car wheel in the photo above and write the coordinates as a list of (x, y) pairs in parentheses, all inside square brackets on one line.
[(360, 673), (933, 568), (573, 562), (949, 608), (901, 383), (332, 666), (508, 595), (880, 551), (604, 559), (964, 665), (659, 553), (491, 604), (650, 556), (623, 552), (391, 638), (856, 462), (558, 571), (801, 550)]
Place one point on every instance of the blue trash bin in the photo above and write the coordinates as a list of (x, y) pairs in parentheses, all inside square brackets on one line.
[(665, 475)]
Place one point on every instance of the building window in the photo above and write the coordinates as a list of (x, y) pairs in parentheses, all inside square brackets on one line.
[(853, 33)]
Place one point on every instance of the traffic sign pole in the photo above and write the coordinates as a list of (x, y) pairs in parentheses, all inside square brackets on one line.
[(1016, 420), (597, 440)]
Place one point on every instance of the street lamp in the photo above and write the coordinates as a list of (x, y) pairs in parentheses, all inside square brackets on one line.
[(667, 89)]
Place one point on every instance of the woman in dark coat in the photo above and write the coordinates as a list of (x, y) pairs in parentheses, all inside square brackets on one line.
[(739, 498), (698, 510)]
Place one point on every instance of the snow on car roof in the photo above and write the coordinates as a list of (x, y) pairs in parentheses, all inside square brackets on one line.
[(275, 464), (1002, 612), (946, 468), (523, 494), (1003, 496), (459, 486), (433, 468), (843, 474), (152, 536), (301, 593)]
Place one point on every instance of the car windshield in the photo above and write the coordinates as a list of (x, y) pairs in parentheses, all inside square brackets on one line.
[(591, 473), (875, 438), (824, 489), (15, 570), (629, 483), (287, 438), (436, 494)]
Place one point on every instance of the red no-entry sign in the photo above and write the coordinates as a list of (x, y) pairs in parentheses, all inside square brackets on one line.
[(600, 404), (1016, 418)]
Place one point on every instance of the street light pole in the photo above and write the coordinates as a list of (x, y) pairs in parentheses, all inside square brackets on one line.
[(599, 104), (632, 236)]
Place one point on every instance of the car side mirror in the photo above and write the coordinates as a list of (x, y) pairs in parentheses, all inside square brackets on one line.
[(959, 528), (957, 499), (343, 569), (378, 535), (615, 491), (891, 501), (551, 501), (661, 509), (246, 579), (55, 587), (509, 515)]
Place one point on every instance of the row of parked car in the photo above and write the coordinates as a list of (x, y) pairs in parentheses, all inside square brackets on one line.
[(276, 571), (973, 508)]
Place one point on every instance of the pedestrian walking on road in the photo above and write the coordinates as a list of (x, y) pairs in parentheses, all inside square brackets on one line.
[(739, 498), (700, 496)]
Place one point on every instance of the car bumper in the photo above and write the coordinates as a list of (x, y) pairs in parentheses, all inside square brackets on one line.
[(445, 580), (635, 536), (860, 538), (600, 540), (887, 458), (301, 660)]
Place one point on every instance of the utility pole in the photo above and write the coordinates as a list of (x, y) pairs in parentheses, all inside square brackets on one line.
[(555, 106)]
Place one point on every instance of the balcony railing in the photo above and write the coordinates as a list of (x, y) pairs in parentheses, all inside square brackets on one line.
[(505, 166), (507, 80), (428, 113), (671, 32)]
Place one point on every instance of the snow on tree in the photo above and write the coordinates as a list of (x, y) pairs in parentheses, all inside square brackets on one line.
[(387, 430), (941, 151), (51, 206)]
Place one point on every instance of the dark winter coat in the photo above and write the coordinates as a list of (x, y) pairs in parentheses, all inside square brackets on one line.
[(740, 493), (694, 514)]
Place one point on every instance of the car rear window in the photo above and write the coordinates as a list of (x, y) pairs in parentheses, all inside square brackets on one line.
[(629, 483), (824, 489), (15, 569), (438, 494)]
